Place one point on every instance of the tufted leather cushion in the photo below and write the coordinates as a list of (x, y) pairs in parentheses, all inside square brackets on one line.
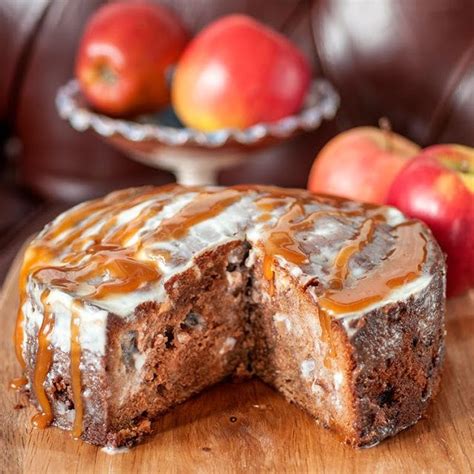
[(408, 60)]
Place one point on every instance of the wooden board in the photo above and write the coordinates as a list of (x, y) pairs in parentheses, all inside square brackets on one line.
[(248, 427)]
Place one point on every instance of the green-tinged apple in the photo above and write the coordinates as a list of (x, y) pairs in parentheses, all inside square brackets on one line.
[(125, 55), (437, 187), (238, 72), (361, 164)]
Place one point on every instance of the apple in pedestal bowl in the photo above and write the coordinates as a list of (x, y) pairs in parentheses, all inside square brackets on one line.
[(236, 73), (268, 90), (437, 187), (125, 56), (361, 164)]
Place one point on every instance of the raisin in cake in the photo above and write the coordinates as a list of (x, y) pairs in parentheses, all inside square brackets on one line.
[(132, 303)]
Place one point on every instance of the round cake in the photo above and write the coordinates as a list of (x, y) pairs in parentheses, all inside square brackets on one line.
[(132, 303)]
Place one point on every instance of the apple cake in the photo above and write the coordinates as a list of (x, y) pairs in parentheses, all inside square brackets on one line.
[(132, 303)]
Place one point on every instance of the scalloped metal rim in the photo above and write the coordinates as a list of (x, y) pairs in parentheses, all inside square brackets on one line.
[(321, 103)]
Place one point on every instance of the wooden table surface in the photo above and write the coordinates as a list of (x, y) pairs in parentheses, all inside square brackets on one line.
[(248, 427)]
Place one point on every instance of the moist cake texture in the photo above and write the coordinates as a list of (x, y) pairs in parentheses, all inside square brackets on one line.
[(132, 303)]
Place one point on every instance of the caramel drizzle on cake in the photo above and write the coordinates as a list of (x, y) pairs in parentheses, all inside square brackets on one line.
[(104, 257), (204, 207), (33, 259), (91, 254), (341, 263), (280, 242), (44, 359), (76, 383), (401, 266), (109, 258), (281, 239)]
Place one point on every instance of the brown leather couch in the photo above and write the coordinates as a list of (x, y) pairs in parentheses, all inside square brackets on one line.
[(409, 60)]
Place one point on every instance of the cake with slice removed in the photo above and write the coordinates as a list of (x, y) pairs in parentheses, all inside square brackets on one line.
[(132, 303)]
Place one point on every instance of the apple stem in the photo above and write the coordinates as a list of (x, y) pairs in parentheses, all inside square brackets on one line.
[(386, 127), (107, 74)]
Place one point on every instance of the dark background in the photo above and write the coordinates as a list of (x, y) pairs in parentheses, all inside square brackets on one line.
[(409, 60)]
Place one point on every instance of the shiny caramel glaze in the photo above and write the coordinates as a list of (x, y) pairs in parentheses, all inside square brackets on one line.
[(44, 358), (402, 265), (76, 383), (34, 257), (341, 263), (114, 247), (205, 207)]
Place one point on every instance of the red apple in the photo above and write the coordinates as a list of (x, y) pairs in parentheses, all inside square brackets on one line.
[(124, 57), (238, 72), (438, 188), (360, 164)]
